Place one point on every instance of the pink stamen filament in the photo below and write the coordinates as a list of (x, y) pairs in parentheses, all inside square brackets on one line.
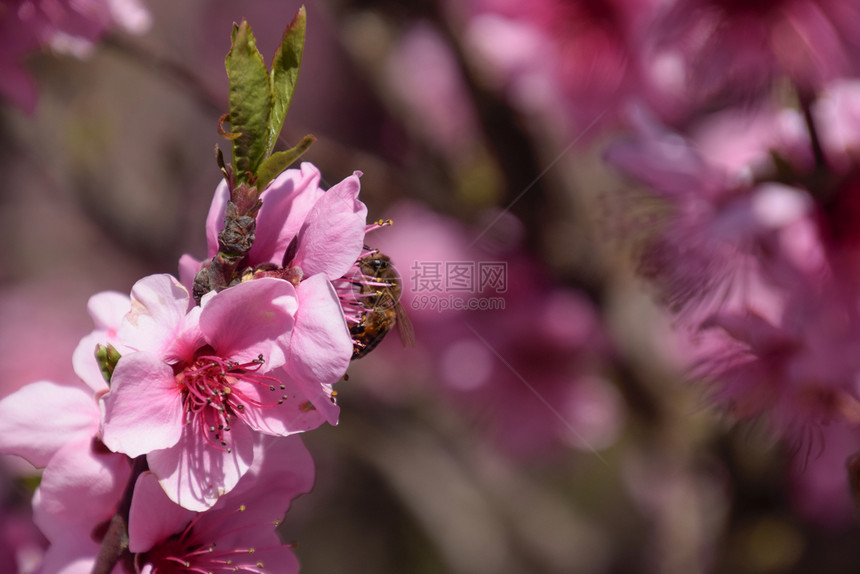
[(193, 556), (374, 226), (211, 399)]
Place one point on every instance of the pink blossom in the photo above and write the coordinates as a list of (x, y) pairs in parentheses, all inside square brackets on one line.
[(200, 383), (64, 25), (55, 427), (320, 347), (791, 356), (76, 499), (327, 229), (763, 272), (736, 49), (83, 483), (575, 61), (799, 370), (238, 532), (702, 244)]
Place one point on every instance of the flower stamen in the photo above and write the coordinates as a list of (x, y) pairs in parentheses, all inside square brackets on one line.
[(211, 397)]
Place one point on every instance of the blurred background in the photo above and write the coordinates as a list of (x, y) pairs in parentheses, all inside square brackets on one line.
[(544, 420)]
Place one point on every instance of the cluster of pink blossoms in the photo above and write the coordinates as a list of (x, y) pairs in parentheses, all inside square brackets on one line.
[(759, 256), (581, 61), (190, 433), (742, 119), (756, 251), (65, 26)]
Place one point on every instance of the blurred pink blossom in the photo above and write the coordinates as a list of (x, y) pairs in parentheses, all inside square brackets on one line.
[(705, 240), (800, 370), (424, 73), (580, 60), (736, 49), (820, 486), (64, 25), (21, 544), (525, 364), (760, 258), (837, 115), (26, 309), (576, 61)]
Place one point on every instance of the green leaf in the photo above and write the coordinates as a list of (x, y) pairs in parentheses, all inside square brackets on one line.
[(285, 73), (281, 160), (250, 101)]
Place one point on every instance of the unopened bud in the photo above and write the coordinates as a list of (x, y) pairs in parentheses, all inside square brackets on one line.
[(107, 357)]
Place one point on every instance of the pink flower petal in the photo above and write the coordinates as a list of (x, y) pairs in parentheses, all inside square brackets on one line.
[(321, 347), (80, 488), (215, 218), (153, 518), (332, 236), (188, 268), (85, 364), (40, 418), (286, 203), (143, 410), (108, 309), (187, 341), (73, 556), (79, 492), (279, 420), (158, 306), (282, 470), (751, 329), (251, 319), (195, 473)]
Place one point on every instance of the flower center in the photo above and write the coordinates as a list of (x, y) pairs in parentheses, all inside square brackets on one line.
[(188, 552), (213, 397)]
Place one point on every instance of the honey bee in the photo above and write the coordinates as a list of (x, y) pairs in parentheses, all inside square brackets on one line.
[(380, 291)]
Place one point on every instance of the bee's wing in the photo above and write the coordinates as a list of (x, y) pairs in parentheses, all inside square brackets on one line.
[(404, 326)]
